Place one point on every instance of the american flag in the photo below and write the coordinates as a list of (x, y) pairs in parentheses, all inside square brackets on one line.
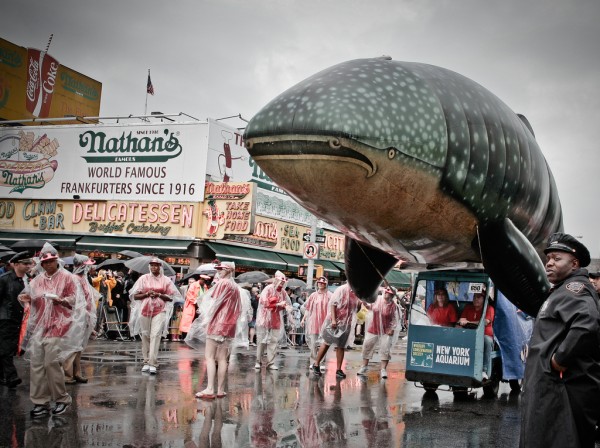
[(149, 87)]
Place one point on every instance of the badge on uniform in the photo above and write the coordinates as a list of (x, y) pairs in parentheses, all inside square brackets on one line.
[(575, 287)]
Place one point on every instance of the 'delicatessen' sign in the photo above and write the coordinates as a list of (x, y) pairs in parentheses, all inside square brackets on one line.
[(104, 162), (147, 219)]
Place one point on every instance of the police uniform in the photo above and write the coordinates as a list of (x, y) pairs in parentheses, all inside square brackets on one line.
[(560, 409)]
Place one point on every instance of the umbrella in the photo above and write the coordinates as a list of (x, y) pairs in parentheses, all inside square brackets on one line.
[(6, 255), (68, 260), (3, 248), (114, 263), (130, 254), (206, 269), (141, 265), (252, 277), (295, 283), (33, 245)]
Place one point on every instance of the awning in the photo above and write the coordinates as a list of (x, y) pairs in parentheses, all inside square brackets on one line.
[(329, 267), (8, 238), (340, 265), (246, 256), (399, 279), (293, 261), (145, 245)]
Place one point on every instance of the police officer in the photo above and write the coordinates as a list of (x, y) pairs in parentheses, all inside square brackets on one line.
[(562, 374), (11, 316), (595, 279)]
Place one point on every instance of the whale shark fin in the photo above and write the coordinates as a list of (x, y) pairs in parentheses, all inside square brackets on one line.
[(362, 265), (526, 123), (513, 265)]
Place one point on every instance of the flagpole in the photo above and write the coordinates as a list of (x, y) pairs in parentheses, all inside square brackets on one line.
[(146, 106)]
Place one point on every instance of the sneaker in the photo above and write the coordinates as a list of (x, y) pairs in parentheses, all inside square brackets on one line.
[(322, 367), (272, 367), (340, 374), (146, 368), (484, 376), (39, 410), (383, 373), (316, 370), (60, 408), (362, 371), (257, 366), (152, 370)]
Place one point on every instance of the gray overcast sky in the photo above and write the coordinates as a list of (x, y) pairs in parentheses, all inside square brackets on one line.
[(223, 57)]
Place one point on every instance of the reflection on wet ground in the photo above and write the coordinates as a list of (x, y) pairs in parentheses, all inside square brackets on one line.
[(120, 406)]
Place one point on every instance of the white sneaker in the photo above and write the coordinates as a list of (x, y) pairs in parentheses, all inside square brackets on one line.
[(322, 367), (362, 371), (273, 367), (257, 366), (383, 373), (152, 370), (146, 368), (484, 376)]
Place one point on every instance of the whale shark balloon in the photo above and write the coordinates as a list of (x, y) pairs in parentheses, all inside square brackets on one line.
[(414, 162)]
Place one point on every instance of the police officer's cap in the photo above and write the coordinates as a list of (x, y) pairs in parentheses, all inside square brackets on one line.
[(21, 257), (594, 274), (563, 242)]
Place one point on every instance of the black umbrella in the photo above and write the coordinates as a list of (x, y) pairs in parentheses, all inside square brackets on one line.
[(113, 263), (4, 248), (6, 255), (252, 277), (142, 265), (32, 245), (130, 254), (295, 283)]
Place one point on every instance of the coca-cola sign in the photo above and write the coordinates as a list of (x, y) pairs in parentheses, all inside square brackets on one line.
[(41, 78)]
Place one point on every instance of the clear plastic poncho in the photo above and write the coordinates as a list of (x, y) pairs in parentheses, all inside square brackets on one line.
[(346, 305), (57, 311), (383, 322), (316, 308), (219, 312), (241, 332), (150, 307), (91, 298), (269, 315)]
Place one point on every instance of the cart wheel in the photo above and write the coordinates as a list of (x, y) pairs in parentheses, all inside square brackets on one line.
[(515, 386), (460, 393), (430, 387), (490, 390)]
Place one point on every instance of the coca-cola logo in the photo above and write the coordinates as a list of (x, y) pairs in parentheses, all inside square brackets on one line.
[(33, 80), (51, 78)]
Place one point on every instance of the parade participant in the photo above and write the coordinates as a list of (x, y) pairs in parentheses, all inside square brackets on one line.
[(269, 322), (216, 327), (471, 316), (562, 372), (72, 365), (153, 295), (316, 310), (196, 288), (338, 327), (383, 326), (241, 332), (441, 311), (11, 316), (595, 280), (52, 333)]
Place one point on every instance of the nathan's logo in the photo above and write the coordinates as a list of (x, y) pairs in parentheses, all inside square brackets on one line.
[(127, 148), (78, 87)]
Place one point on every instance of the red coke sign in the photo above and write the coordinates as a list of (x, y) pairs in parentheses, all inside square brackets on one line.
[(41, 77)]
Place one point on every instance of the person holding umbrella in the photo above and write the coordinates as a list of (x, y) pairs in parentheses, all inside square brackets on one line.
[(153, 295)]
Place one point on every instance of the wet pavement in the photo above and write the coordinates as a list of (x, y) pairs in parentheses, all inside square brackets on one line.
[(122, 407)]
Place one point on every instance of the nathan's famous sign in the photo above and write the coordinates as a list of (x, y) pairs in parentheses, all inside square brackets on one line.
[(33, 84), (102, 162)]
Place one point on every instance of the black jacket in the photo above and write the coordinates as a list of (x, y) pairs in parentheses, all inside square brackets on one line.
[(560, 410), (10, 288)]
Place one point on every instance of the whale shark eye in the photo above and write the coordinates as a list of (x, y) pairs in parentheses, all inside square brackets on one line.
[(391, 153)]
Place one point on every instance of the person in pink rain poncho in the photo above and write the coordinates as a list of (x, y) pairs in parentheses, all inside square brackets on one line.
[(153, 295), (269, 320), (316, 310), (72, 366), (55, 330), (383, 326), (215, 328), (338, 328)]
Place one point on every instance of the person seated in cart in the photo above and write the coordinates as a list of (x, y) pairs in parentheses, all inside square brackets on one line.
[(470, 317), (441, 311)]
